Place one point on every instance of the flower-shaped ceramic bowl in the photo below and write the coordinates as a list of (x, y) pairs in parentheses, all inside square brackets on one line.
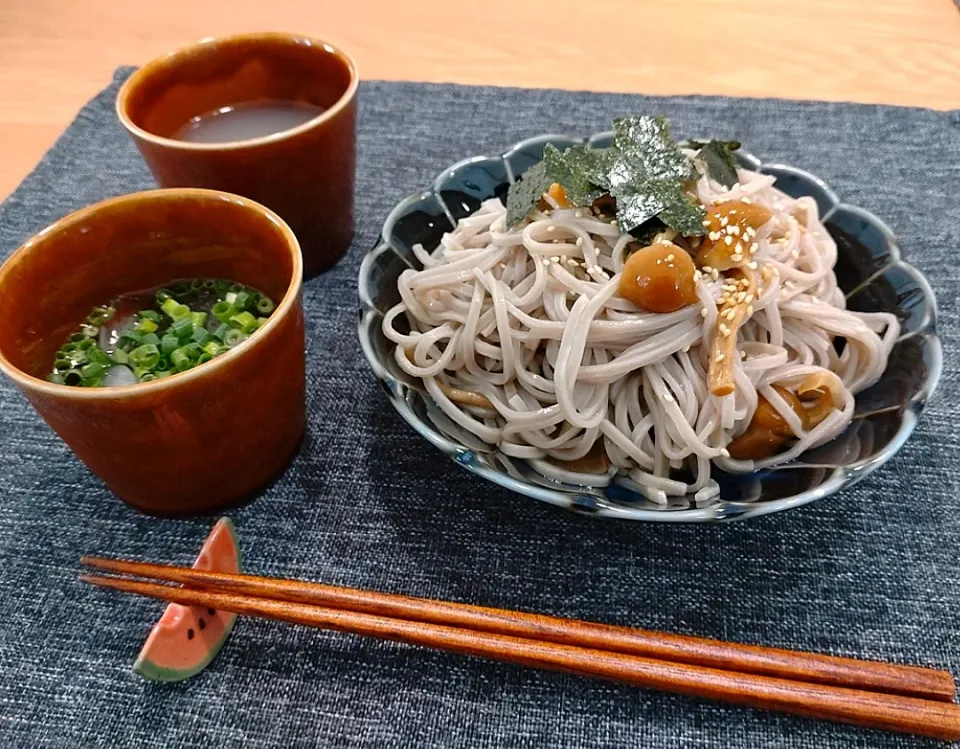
[(869, 269)]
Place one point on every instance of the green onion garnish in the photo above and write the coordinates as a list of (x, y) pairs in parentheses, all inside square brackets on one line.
[(223, 311), (234, 337), (199, 319), (265, 305), (145, 356), (72, 377), (147, 326), (169, 343), (182, 327), (120, 356), (246, 322)]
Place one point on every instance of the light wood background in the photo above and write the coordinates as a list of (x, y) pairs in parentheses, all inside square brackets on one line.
[(56, 54)]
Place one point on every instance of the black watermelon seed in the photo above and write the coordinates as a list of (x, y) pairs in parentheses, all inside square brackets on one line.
[(211, 612), (203, 624), (190, 634)]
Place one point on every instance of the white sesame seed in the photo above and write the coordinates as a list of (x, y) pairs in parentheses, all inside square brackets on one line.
[(730, 313), (573, 263), (579, 241), (719, 356), (724, 330), (703, 312), (555, 259), (707, 269), (724, 221), (546, 261), (715, 273), (598, 269), (670, 257), (746, 200), (601, 216), (706, 222), (752, 265), (728, 240), (736, 257), (667, 397), (714, 236)]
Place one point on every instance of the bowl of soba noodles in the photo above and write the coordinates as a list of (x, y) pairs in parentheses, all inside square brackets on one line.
[(640, 328)]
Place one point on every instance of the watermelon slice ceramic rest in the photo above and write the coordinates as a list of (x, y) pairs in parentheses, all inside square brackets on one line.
[(187, 638)]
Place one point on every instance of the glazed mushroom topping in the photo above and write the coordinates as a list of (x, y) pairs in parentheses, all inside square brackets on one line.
[(735, 306), (768, 431), (659, 278), (730, 240)]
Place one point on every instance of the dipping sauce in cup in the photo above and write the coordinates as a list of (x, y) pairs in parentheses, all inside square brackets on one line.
[(268, 116)]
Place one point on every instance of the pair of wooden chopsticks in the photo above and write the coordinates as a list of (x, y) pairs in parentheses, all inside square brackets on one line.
[(906, 699)]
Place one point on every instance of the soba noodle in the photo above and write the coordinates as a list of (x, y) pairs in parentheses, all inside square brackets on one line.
[(521, 338)]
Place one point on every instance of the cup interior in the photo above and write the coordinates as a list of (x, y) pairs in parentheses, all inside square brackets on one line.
[(167, 93), (136, 242)]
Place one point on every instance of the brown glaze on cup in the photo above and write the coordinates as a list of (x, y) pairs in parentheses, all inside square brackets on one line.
[(194, 441), (305, 174)]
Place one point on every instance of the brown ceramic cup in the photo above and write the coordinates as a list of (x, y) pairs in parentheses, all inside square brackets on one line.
[(305, 174), (208, 437)]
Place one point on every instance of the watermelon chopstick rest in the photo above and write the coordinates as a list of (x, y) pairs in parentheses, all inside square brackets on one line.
[(187, 638)]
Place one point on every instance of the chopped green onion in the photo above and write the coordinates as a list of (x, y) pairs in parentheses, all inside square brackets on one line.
[(148, 377), (100, 315), (96, 355), (209, 283), (261, 321), (164, 363), (174, 310), (180, 360), (149, 314), (68, 347), (204, 358), (92, 371), (231, 297), (76, 338), (236, 288), (243, 300), (181, 289), (128, 339), (55, 378), (120, 356), (222, 288), (163, 295), (196, 284), (223, 311), (145, 356), (221, 331), (84, 344), (165, 373), (265, 305), (150, 338), (63, 363), (169, 343), (182, 328), (72, 377), (245, 321), (212, 347), (90, 331), (234, 337), (147, 326), (199, 319), (200, 335)]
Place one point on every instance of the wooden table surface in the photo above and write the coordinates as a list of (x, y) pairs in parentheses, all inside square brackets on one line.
[(56, 54)]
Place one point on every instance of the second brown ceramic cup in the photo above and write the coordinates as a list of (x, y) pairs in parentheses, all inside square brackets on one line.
[(305, 174)]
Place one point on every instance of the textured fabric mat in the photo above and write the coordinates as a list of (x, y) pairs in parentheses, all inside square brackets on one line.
[(871, 572)]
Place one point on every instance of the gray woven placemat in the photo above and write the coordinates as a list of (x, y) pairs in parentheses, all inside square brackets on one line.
[(871, 572)]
